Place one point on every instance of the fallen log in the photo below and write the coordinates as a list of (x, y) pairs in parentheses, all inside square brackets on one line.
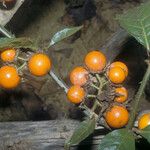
[(44, 135)]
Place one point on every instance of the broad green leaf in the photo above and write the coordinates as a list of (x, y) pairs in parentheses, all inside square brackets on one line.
[(145, 133), (83, 131), (60, 35), (137, 23), (17, 43), (121, 139)]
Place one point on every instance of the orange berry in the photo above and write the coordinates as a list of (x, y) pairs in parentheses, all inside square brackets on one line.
[(117, 116), (144, 121), (8, 55), (39, 64), (95, 61), (9, 77), (79, 76), (121, 65), (122, 94), (76, 94), (116, 75)]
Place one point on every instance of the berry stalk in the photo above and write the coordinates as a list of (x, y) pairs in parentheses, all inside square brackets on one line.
[(59, 81)]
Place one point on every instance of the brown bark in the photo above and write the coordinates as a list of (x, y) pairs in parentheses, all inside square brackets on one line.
[(45, 135)]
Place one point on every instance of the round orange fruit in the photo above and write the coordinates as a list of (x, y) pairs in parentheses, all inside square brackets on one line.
[(121, 65), (8, 55), (76, 94), (116, 75), (117, 116), (122, 94), (39, 64), (79, 76), (95, 61), (9, 77)]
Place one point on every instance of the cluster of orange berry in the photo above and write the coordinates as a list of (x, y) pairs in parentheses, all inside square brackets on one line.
[(117, 115), (39, 64)]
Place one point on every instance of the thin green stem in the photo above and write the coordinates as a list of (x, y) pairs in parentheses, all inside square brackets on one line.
[(98, 78), (24, 59), (90, 112), (22, 66), (59, 81), (96, 87), (95, 105), (137, 98), (102, 83), (91, 96)]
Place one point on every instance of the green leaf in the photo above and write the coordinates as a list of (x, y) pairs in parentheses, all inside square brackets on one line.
[(60, 35), (137, 23), (17, 43), (5, 32), (121, 139), (145, 133), (83, 131)]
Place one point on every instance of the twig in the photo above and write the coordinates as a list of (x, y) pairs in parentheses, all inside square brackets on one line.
[(93, 85), (89, 113), (23, 59), (95, 105), (91, 96), (22, 66), (102, 83), (59, 81)]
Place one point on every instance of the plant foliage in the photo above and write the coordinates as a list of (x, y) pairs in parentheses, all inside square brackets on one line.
[(121, 139), (146, 133), (17, 43), (83, 131), (137, 23), (60, 35)]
